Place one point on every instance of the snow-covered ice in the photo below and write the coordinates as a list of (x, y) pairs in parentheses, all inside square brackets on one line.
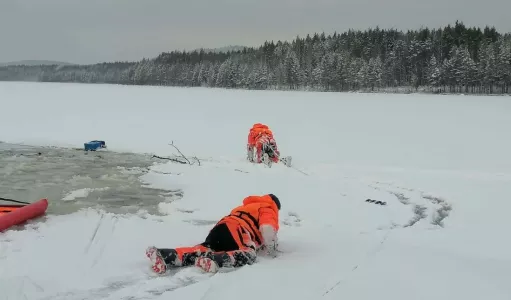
[(439, 162), (81, 193)]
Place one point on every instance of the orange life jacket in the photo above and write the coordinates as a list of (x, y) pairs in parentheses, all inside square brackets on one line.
[(255, 211), (256, 131)]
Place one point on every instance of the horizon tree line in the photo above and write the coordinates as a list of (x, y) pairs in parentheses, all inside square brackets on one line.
[(453, 59)]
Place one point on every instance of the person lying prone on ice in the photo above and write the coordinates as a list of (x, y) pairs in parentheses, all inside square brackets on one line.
[(233, 242)]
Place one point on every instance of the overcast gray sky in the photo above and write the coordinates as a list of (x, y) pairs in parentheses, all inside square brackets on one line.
[(89, 31)]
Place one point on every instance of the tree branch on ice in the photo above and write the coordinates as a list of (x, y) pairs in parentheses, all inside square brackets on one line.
[(183, 156), (171, 159)]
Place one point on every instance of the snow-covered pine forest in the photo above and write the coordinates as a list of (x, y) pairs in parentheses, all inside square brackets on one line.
[(453, 59)]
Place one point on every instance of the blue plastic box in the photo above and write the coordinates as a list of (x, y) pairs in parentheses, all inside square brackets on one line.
[(94, 145)]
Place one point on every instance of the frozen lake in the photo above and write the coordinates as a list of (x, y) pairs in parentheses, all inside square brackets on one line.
[(440, 163)]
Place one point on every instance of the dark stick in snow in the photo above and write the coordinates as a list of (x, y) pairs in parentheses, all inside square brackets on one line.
[(172, 144), (171, 159), (182, 155)]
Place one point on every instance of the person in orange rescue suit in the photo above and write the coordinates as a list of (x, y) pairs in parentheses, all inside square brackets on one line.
[(259, 137), (233, 242)]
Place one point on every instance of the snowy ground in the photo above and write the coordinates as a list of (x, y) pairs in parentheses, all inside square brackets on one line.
[(440, 163)]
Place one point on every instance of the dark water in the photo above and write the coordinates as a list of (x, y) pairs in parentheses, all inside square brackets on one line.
[(72, 179)]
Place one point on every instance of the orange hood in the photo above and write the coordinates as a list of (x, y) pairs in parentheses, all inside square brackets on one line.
[(266, 199), (259, 125)]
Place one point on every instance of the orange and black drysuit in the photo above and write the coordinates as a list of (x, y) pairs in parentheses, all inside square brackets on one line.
[(260, 138), (236, 238)]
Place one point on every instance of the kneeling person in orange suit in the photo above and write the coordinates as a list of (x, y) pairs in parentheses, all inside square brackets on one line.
[(233, 242), (260, 138)]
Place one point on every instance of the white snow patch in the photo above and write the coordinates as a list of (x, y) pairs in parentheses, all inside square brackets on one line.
[(439, 162), (82, 193)]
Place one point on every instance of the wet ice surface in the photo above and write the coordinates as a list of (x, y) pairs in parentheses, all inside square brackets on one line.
[(72, 179)]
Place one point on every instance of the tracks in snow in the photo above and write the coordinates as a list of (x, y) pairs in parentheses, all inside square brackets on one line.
[(442, 212), (424, 205), (138, 286), (100, 238), (292, 219)]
